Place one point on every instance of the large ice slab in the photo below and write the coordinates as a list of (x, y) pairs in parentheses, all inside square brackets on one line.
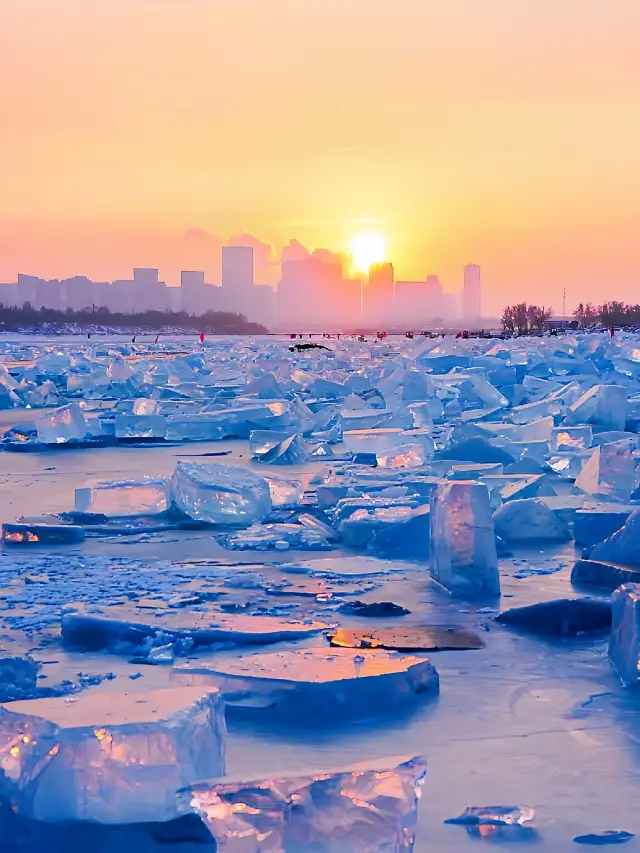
[(605, 405), (124, 497), (116, 758), (529, 520), (317, 686), (610, 472), (623, 546), (220, 494), (366, 808), (123, 629), (463, 548), (62, 425), (29, 534), (624, 641)]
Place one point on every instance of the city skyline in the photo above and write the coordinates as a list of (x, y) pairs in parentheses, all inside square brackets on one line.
[(317, 290), (499, 132)]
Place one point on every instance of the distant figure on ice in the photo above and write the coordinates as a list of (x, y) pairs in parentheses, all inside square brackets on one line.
[(133, 339), (156, 340), (201, 337), (612, 331), (303, 347)]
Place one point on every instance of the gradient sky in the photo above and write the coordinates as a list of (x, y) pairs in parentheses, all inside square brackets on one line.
[(504, 132)]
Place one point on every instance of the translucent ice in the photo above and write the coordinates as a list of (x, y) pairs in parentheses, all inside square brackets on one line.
[(141, 426), (315, 686), (624, 641), (463, 548), (289, 451), (402, 456), (124, 629), (368, 808), (570, 438), (117, 761), (622, 547), (605, 405), (610, 472), (124, 498), (25, 533), (285, 492), (62, 425), (261, 441), (529, 520), (220, 494), (372, 440), (18, 677)]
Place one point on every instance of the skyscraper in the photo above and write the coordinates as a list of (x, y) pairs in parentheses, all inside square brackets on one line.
[(378, 296), (237, 268), (471, 293)]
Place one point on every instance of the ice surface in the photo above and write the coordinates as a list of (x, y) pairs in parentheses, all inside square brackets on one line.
[(595, 524), (561, 617), (119, 760), (367, 808), (220, 494), (610, 472), (317, 686), (624, 641), (463, 548), (62, 425), (529, 520), (124, 497), (373, 440), (280, 537), (123, 629)]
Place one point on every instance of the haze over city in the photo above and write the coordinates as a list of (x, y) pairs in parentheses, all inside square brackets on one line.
[(145, 133)]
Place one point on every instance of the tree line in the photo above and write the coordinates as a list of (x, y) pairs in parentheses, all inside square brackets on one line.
[(608, 314), (523, 318), (13, 319)]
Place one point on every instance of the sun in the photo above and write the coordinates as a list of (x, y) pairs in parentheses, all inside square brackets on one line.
[(368, 249)]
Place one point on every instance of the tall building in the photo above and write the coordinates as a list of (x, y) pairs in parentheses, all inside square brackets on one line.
[(418, 302), (378, 297), (471, 293), (237, 278)]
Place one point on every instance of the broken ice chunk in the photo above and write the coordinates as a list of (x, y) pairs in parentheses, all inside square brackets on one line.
[(605, 405), (124, 497), (570, 438), (624, 641), (263, 440), (315, 686), (62, 425), (123, 629), (18, 677), (361, 809), (116, 760), (402, 456), (609, 472), (372, 440), (622, 547), (493, 815), (220, 494), (140, 426), (463, 547), (529, 520), (290, 451), (25, 533), (285, 492)]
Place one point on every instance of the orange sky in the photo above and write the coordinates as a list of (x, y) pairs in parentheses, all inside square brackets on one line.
[(504, 132)]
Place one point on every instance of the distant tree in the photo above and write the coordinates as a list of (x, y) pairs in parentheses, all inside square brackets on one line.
[(537, 317), (508, 322), (524, 318)]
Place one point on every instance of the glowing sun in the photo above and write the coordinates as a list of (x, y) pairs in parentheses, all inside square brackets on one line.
[(367, 249)]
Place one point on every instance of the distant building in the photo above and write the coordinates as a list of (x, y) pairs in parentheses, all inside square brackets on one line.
[(196, 296), (417, 303), (471, 293), (378, 297), (312, 293)]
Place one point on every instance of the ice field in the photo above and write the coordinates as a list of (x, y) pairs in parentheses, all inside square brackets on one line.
[(373, 597)]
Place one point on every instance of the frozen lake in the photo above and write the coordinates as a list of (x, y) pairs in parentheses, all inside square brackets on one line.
[(526, 720)]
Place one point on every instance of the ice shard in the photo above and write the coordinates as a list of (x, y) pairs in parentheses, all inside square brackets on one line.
[(610, 472), (624, 640), (463, 548), (115, 760), (366, 808), (62, 425), (124, 497), (529, 520), (220, 494)]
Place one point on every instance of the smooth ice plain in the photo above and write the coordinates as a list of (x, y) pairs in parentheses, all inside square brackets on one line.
[(186, 525)]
